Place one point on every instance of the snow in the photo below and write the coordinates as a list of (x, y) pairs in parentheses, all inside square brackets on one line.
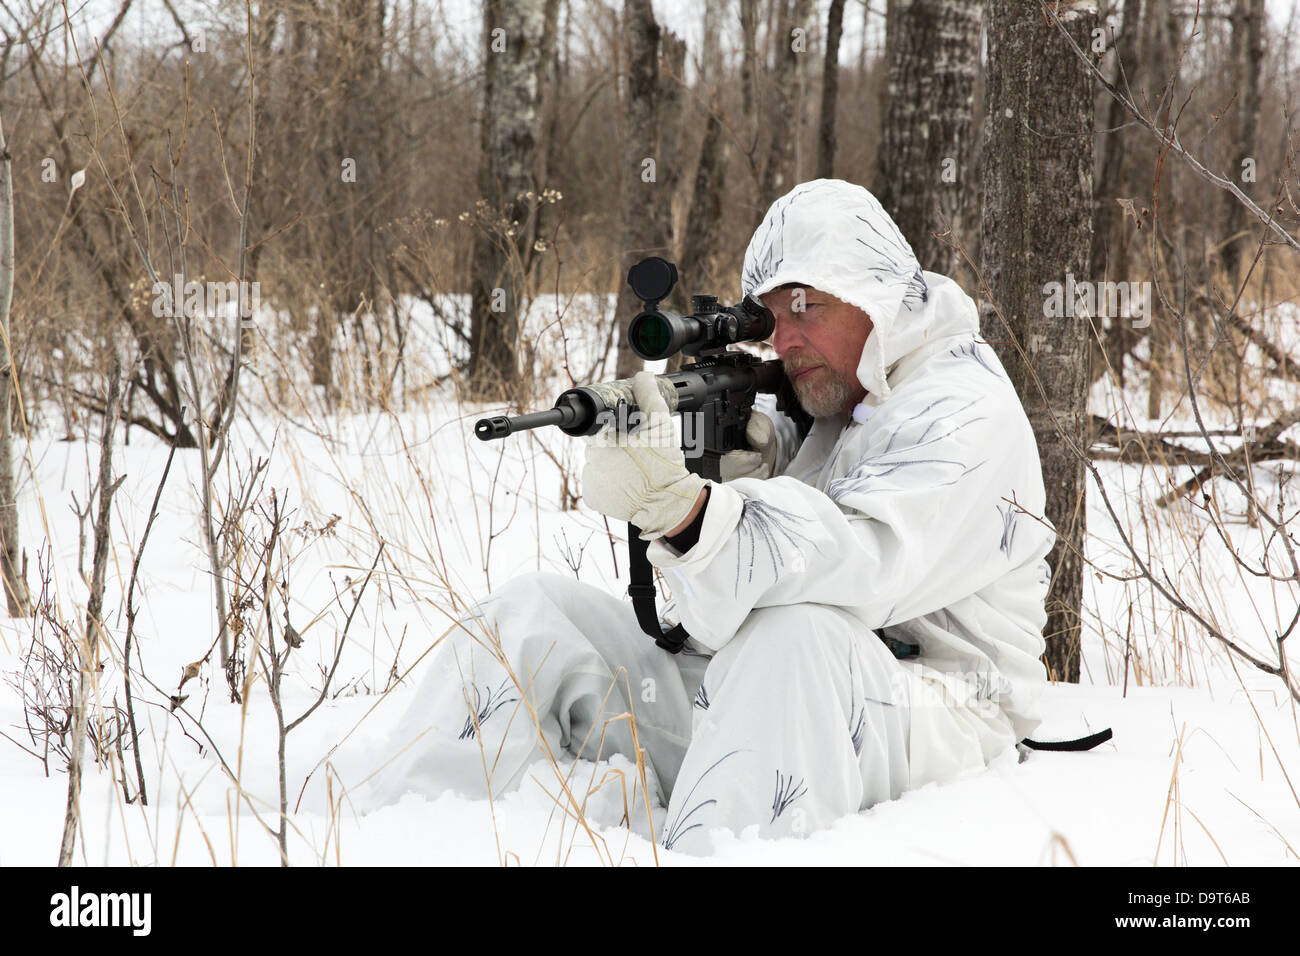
[(1203, 768)]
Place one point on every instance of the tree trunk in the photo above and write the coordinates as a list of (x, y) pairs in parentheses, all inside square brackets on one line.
[(1109, 256), (362, 138), (782, 119), (1036, 229), (11, 570), (646, 182), (933, 48), (1161, 31), (748, 58), (830, 91), (351, 51), (504, 237), (672, 129), (1248, 55), (705, 211), (554, 50), (700, 231)]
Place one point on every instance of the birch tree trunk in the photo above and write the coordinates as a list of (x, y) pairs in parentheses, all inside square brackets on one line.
[(1036, 228), (926, 149), (15, 581)]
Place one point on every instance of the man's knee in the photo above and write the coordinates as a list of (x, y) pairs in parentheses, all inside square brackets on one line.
[(787, 636), (811, 642)]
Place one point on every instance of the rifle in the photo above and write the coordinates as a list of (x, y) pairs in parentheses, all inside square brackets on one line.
[(719, 387)]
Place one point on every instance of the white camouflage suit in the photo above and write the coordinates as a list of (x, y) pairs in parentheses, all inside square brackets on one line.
[(919, 514)]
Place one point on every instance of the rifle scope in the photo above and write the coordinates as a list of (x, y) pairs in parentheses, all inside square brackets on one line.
[(657, 334)]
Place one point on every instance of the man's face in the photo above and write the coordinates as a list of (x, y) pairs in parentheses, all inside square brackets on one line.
[(820, 339)]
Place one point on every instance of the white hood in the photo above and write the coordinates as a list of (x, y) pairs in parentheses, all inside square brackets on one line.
[(836, 237)]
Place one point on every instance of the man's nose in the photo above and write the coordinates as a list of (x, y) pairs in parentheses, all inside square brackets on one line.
[(785, 336)]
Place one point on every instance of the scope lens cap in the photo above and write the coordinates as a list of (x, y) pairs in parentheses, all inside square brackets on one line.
[(652, 279)]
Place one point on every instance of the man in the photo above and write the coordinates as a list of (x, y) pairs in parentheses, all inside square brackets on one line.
[(865, 609)]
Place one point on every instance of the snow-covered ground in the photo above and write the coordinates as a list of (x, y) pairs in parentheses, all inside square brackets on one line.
[(1203, 769)]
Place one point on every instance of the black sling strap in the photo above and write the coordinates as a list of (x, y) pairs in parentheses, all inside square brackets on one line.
[(1081, 743), (643, 593)]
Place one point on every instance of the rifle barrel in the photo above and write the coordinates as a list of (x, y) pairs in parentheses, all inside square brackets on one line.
[(499, 426)]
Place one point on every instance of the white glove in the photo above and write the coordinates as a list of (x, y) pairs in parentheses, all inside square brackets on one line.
[(642, 477), (759, 463)]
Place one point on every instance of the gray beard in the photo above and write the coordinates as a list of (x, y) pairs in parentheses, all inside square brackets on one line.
[(825, 398)]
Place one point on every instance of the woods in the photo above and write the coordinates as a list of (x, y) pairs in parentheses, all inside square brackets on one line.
[(263, 238)]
